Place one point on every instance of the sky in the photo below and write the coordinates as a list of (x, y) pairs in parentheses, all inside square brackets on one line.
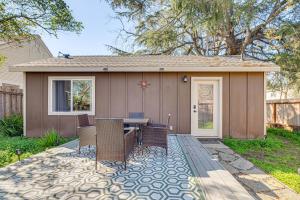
[(100, 28)]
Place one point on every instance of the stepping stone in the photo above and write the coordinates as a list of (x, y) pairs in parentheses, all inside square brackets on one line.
[(241, 164), (212, 151), (276, 194), (253, 183), (256, 173), (229, 168), (227, 157), (225, 150)]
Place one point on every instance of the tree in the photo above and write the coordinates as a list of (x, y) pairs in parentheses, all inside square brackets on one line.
[(21, 19), (288, 57), (202, 27)]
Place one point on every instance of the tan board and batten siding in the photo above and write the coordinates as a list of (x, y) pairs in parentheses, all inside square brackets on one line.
[(118, 93)]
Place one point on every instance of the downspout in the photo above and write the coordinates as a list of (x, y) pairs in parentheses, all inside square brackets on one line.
[(24, 103)]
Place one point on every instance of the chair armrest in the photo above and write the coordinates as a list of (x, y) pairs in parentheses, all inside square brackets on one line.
[(129, 141), (130, 131), (157, 125)]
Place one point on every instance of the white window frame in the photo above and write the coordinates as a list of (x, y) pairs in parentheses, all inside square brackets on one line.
[(70, 78)]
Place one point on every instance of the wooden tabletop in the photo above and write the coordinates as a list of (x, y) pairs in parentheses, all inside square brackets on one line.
[(136, 121)]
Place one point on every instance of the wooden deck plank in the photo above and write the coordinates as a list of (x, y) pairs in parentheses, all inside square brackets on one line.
[(217, 182), (234, 186), (211, 171), (210, 186)]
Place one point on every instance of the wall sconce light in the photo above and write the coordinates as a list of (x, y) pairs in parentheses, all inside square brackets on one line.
[(185, 78)]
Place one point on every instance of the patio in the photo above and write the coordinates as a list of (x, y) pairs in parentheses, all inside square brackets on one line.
[(62, 173)]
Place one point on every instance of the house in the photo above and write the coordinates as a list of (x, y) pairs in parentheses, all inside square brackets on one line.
[(16, 53), (211, 97)]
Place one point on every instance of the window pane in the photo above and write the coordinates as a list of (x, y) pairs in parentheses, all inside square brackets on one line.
[(82, 95), (61, 96), (205, 106)]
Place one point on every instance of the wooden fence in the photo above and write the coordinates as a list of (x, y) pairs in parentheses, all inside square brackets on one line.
[(284, 113), (11, 98)]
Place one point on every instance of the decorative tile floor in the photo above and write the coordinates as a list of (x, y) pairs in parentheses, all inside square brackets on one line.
[(62, 173)]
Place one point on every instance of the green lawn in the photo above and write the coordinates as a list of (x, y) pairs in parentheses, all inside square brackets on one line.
[(278, 155), (28, 146)]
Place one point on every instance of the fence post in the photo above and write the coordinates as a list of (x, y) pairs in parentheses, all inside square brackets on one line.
[(274, 112), (8, 102), (1, 102)]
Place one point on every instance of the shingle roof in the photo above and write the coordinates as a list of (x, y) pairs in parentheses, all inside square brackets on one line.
[(146, 63)]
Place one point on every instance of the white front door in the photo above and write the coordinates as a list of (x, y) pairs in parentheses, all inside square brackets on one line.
[(206, 110)]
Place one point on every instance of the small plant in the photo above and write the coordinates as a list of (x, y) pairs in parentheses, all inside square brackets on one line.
[(51, 138), (11, 126)]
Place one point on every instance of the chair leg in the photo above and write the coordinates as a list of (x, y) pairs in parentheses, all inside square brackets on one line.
[(79, 149)]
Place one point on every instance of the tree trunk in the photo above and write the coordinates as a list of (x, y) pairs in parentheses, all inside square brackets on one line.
[(233, 47)]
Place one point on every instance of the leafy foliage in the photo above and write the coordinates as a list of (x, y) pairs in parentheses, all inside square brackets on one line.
[(28, 146), (8, 146), (50, 138), (11, 126), (20, 19), (278, 154), (216, 27), (288, 57)]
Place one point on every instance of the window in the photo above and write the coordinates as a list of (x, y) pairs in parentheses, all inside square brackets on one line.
[(71, 95)]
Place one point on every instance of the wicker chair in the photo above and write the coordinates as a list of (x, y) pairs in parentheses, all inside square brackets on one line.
[(112, 143), (86, 131), (156, 135)]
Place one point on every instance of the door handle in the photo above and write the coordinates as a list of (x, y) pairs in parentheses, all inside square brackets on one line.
[(195, 111)]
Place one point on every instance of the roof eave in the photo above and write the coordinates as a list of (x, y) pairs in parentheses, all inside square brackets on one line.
[(141, 69)]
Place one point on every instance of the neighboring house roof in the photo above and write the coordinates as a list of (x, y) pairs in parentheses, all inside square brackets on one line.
[(16, 53), (145, 63)]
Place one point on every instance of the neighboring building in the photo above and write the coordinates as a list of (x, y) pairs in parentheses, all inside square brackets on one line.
[(210, 97), (19, 53)]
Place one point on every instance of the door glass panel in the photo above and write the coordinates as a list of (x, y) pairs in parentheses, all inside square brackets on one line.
[(205, 106)]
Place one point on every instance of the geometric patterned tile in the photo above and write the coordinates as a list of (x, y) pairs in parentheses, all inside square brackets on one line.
[(62, 173)]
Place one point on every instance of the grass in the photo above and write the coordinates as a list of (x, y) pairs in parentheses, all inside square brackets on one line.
[(29, 146), (278, 154)]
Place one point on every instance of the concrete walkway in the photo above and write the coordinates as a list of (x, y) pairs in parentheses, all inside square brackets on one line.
[(259, 184)]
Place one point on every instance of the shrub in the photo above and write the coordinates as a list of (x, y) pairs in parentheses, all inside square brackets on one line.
[(50, 138), (11, 126), (23, 143), (5, 157)]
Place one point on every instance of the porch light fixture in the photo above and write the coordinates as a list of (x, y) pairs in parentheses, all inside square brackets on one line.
[(18, 153), (161, 69), (185, 78), (105, 69)]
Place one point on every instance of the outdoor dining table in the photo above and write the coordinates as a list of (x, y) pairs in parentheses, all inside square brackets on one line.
[(140, 122)]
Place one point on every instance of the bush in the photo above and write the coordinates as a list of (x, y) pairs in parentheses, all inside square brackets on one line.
[(11, 126), (50, 138)]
